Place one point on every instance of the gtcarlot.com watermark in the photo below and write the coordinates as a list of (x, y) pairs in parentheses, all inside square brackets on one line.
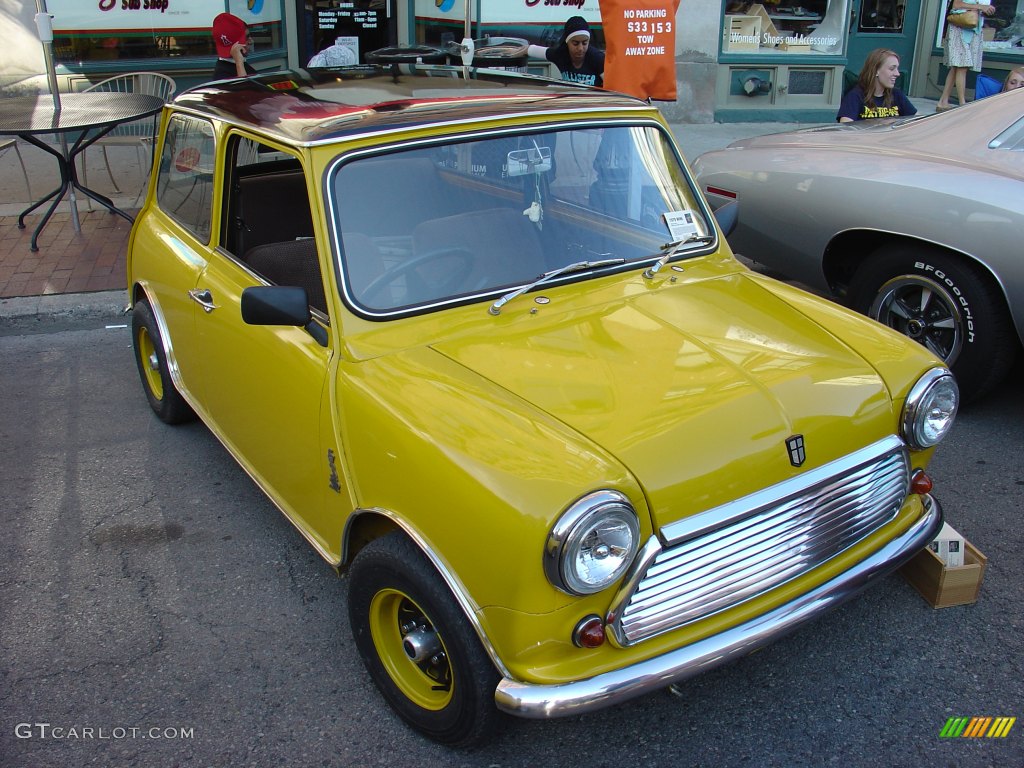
[(100, 733)]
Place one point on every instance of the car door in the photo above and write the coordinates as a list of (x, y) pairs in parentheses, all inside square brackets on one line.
[(264, 387), (172, 244)]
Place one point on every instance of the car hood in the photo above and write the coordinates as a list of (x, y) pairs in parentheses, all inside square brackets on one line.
[(694, 388), (961, 137)]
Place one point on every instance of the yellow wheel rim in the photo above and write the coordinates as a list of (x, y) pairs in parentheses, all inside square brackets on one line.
[(150, 363), (399, 628)]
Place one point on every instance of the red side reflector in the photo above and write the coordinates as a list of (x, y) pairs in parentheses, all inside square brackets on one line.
[(722, 192), (589, 633)]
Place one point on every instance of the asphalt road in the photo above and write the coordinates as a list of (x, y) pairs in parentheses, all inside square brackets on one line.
[(156, 610)]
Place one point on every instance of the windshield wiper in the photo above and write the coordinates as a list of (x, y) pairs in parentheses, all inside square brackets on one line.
[(578, 266), (671, 249)]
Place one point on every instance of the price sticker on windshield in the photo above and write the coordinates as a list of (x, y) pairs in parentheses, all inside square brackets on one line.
[(681, 224)]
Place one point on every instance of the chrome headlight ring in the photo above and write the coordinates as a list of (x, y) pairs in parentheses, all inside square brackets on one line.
[(930, 409), (592, 544)]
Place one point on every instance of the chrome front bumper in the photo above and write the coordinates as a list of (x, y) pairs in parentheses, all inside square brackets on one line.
[(581, 696)]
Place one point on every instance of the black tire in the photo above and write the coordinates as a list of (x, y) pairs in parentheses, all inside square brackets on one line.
[(165, 400), (407, 54), (946, 304), (449, 695), (502, 52)]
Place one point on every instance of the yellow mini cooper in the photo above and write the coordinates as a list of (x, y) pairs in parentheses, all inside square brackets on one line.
[(480, 338)]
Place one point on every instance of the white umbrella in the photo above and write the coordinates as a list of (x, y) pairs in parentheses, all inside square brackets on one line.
[(44, 25)]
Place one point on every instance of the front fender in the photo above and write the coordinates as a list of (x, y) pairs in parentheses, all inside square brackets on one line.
[(473, 473)]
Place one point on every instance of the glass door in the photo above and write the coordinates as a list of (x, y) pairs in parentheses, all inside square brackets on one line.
[(888, 24)]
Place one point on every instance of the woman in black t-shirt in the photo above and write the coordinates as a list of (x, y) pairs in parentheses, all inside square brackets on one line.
[(876, 94)]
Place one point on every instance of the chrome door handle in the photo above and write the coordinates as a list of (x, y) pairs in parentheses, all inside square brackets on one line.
[(203, 298)]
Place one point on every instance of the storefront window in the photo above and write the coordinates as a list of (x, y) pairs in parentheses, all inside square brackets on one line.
[(439, 22), (787, 27), (104, 30), (1003, 32)]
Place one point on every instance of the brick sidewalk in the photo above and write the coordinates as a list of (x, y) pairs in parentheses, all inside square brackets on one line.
[(67, 261)]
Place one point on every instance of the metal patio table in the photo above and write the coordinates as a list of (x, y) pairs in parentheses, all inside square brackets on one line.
[(91, 115)]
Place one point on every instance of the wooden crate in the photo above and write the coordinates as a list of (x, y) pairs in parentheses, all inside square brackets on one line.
[(803, 45), (943, 586), (767, 25), (742, 33)]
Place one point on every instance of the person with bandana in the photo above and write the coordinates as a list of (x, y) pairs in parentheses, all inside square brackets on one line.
[(576, 59)]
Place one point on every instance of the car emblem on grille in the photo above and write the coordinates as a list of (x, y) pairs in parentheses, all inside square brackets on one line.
[(797, 453)]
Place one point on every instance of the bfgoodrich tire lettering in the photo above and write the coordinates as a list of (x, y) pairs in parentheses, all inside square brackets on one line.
[(946, 304), (397, 604), (166, 402)]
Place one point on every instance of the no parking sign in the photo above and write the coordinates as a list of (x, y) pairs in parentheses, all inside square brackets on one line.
[(640, 44)]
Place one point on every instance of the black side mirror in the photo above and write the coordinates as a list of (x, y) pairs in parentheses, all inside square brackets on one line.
[(275, 305), (280, 305)]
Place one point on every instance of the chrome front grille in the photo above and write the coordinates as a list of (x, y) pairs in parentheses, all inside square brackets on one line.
[(721, 558)]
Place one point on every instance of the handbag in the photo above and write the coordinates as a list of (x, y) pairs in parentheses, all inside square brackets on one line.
[(964, 19)]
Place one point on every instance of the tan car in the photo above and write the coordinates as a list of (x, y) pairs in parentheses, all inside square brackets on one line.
[(916, 223)]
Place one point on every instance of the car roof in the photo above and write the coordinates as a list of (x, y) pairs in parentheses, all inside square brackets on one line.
[(321, 105)]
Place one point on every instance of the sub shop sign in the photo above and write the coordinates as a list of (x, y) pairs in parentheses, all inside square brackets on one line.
[(116, 17), (640, 40)]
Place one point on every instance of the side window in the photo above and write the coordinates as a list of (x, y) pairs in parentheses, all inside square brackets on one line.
[(268, 224), (185, 184)]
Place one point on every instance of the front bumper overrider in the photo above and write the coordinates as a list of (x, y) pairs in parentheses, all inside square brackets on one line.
[(580, 696)]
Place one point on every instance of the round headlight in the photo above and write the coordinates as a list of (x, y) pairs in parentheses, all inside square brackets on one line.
[(592, 544), (930, 409)]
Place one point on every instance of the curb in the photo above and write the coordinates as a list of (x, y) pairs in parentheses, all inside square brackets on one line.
[(24, 311)]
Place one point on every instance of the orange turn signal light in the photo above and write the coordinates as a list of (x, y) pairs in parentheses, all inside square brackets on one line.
[(920, 483)]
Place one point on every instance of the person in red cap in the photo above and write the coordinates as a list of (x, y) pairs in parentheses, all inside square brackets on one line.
[(231, 36)]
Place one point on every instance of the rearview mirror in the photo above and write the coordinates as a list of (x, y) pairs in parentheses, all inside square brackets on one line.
[(521, 162)]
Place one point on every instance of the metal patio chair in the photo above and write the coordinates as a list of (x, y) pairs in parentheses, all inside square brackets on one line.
[(138, 133), (6, 144)]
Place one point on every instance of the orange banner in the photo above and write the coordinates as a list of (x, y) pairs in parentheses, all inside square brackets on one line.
[(640, 47)]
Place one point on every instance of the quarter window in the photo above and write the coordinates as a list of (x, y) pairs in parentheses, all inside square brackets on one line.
[(185, 183)]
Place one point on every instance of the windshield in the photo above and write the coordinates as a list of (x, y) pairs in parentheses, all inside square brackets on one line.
[(474, 219)]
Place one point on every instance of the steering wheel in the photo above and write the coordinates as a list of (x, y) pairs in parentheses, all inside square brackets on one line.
[(452, 277)]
